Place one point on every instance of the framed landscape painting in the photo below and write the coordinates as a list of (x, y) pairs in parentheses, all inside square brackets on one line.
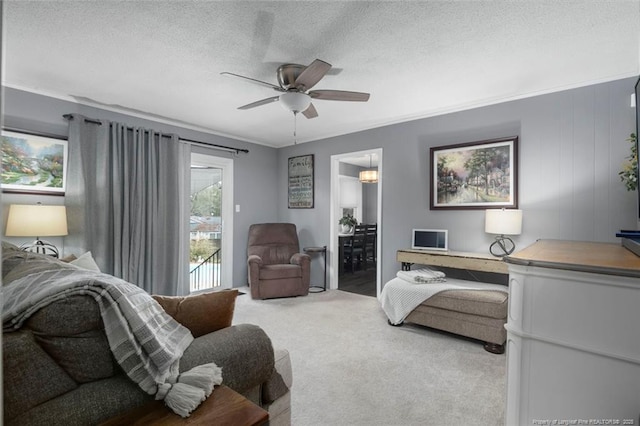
[(475, 175), (33, 163), (300, 183)]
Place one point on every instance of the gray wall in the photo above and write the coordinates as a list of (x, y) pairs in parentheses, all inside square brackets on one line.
[(346, 169), (370, 203), (572, 145)]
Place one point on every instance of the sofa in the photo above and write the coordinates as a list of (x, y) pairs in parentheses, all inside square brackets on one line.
[(58, 368)]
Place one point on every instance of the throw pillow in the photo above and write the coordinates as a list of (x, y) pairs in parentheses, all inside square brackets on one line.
[(31, 376), (202, 313), (68, 258), (86, 262), (11, 257), (23, 263), (6, 245)]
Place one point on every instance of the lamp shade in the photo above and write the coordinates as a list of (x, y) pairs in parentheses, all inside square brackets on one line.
[(36, 221), (503, 222), (368, 176)]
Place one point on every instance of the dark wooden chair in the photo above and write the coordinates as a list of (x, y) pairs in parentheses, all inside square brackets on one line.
[(354, 249), (370, 245)]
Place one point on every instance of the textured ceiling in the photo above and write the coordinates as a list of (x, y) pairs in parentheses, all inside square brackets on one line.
[(416, 58)]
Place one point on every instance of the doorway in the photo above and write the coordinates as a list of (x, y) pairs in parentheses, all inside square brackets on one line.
[(210, 223), (367, 209)]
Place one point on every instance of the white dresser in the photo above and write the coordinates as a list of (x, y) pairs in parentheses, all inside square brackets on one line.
[(573, 335)]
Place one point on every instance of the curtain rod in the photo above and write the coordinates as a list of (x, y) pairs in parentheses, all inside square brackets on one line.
[(206, 144)]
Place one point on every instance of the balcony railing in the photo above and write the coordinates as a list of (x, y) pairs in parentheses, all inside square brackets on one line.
[(206, 274)]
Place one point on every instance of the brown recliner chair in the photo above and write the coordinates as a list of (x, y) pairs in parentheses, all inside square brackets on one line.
[(276, 268)]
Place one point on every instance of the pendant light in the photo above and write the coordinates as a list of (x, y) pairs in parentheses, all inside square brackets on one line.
[(369, 176)]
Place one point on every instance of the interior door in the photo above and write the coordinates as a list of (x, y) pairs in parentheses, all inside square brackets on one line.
[(336, 212)]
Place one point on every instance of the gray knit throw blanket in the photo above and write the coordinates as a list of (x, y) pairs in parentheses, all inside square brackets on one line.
[(146, 342)]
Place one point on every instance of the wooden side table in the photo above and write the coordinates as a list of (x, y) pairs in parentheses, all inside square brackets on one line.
[(224, 407)]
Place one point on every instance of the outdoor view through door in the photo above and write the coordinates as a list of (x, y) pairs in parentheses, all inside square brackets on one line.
[(205, 228), (210, 222)]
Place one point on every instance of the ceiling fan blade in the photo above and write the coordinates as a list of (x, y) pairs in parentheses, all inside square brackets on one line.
[(253, 80), (339, 95), (276, 64), (310, 112), (312, 75), (260, 102)]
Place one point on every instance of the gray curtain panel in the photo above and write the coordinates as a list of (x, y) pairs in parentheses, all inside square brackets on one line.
[(122, 197)]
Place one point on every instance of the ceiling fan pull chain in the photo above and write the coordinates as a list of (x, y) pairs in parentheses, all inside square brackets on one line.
[(295, 128)]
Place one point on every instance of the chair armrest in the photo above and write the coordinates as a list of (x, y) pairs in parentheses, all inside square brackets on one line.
[(300, 259), (254, 263), (281, 380), (254, 259), (244, 351), (304, 261)]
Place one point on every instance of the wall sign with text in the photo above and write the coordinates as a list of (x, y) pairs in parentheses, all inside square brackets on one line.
[(301, 182)]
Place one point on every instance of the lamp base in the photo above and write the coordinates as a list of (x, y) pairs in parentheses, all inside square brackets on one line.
[(41, 247), (502, 246)]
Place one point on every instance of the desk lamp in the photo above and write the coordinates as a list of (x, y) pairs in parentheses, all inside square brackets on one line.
[(503, 222), (37, 221)]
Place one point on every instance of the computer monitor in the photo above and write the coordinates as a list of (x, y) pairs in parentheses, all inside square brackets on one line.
[(430, 239)]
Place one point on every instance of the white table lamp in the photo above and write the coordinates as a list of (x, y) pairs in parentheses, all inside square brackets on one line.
[(503, 222), (37, 221)]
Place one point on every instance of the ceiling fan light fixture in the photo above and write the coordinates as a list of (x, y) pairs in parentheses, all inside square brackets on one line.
[(295, 101), (294, 81)]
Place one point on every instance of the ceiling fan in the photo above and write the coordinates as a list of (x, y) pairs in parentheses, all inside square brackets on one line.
[(294, 81)]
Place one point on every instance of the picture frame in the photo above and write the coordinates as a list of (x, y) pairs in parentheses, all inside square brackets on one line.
[(33, 163), (474, 175), (301, 181)]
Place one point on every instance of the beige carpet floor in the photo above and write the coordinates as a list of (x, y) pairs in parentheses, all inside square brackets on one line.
[(351, 368)]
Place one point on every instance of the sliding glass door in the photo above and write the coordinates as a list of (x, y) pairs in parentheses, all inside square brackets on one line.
[(210, 223)]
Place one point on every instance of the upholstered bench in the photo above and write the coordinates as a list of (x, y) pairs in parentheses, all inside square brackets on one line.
[(478, 314), (469, 308)]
